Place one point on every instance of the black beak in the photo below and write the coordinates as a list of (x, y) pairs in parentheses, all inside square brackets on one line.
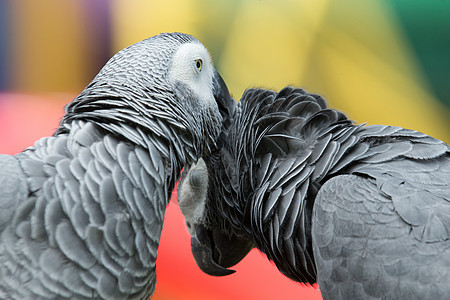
[(225, 102), (214, 251)]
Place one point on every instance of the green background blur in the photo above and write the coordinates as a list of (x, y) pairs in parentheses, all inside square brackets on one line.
[(379, 61)]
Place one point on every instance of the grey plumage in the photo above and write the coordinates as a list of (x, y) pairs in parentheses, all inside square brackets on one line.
[(82, 211), (362, 210)]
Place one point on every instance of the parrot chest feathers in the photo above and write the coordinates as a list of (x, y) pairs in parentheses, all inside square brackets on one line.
[(98, 204)]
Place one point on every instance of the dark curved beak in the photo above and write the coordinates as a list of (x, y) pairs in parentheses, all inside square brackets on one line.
[(223, 98), (214, 252)]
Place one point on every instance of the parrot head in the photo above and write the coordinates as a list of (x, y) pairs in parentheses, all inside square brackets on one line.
[(214, 244), (167, 80)]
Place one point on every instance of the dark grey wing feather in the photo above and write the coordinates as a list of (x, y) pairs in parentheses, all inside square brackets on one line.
[(270, 203), (296, 206), (364, 248), (323, 165), (278, 211), (281, 171), (357, 152)]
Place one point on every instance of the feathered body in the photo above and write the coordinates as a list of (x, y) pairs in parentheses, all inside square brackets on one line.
[(82, 211), (362, 210)]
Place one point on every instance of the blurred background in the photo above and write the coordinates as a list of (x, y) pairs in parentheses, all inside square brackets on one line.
[(379, 61)]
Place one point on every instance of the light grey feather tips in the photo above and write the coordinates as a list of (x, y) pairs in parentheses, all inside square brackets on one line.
[(192, 193)]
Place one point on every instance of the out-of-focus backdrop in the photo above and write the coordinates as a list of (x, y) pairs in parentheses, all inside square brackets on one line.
[(380, 61)]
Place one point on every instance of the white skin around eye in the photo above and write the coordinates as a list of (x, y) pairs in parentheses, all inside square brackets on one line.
[(184, 68)]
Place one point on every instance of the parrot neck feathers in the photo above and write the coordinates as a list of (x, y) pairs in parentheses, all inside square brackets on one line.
[(140, 119)]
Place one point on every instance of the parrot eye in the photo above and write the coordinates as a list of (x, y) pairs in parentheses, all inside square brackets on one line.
[(198, 64)]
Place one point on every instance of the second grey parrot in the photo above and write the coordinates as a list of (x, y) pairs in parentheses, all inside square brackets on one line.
[(364, 211), (81, 212)]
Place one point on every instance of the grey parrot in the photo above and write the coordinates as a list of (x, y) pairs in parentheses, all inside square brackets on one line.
[(81, 212), (364, 211)]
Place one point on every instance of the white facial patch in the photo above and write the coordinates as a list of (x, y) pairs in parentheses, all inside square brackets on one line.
[(185, 68)]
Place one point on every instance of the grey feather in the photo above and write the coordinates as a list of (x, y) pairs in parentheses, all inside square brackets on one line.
[(91, 207), (285, 201), (77, 169), (52, 218), (109, 200), (80, 220), (125, 235), (281, 171), (269, 204), (72, 246), (294, 210), (111, 237)]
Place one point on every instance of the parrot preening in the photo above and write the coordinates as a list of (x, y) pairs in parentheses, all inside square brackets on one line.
[(364, 211), (81, 212)]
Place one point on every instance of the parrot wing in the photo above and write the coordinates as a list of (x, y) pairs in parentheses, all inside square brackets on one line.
[(383, 230)]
